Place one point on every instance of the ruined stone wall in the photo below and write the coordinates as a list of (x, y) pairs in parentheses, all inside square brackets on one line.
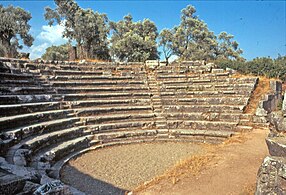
[(271, 178)]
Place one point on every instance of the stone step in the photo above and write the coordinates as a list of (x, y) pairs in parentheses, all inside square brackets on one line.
[(20, 99), (207, 116), (107, 137), (22, 132), (10, 122), (206, 101), (38, 142), (75, 72), (183, 79), (193, 86), (100, 89), (106, 95), (245, 122), (45, 159), (15, 109), (117, 117), (25, 90), (203, 125), (84, 66), (110, 102), (205, 88), (112, 109), (219, 93), (201, 133), (85, 78), (18, 83), (244, 128), (94, 83), (223, 108), (21, 76), (116, 126)]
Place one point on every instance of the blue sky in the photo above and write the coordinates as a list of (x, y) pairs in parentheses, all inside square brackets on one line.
[(258, 26)]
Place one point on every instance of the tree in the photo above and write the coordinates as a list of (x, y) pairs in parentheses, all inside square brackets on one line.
[(57, 52), (192, 39), (228, 49), (166, 40), (134, 41), (13, 28), (88, 28)]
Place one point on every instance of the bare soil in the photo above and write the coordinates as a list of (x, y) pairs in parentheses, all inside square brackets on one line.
[(171, 168), (232, 170), (114, 170)]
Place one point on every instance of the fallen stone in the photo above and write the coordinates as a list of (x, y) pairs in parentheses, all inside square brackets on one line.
[(277, 146), (271, 178), (55, 187), (10, 183)]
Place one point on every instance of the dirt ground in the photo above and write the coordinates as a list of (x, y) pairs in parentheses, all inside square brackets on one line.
[(232, 170), (114, 170), (228, 168)]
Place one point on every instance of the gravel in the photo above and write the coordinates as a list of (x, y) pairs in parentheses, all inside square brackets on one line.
[(117, 169)]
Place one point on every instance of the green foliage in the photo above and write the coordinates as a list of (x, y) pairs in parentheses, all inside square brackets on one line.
[(57, 52), (134, 41), (165, 40), (14, 27), (264, 66), (192, 40), (88, 28)]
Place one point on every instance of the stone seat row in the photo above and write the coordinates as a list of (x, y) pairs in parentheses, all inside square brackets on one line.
[(89, 109)]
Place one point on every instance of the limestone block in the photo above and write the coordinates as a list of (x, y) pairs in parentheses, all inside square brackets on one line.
[(278, 121), (284, 104), (217, 70), (11, 184), (55, 187), (277, 146), (29, 188), (271, 178), (276, 87)]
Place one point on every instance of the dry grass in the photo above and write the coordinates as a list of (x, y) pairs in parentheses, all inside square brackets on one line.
[(192, 165), (261, 89)]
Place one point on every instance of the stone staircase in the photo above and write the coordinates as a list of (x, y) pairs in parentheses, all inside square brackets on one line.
[(53, 111), (156, 102)]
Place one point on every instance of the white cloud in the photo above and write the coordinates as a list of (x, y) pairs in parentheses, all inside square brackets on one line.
[(36, 51), (52, 34)]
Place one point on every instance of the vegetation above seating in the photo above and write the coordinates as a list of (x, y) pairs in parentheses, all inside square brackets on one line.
[(132, 40), (264, 66)]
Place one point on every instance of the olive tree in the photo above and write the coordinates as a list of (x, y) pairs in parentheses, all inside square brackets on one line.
[(228, 49), (60, 52), (13, 28), (88, 28), (134, 41)]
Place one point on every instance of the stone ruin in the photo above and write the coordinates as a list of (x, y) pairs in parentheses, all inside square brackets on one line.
[(52, 111), (271, 178)]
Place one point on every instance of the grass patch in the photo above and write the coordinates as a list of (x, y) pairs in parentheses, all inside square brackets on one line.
[(262, 88)]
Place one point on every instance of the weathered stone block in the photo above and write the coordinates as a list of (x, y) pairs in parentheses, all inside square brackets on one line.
[(284, 104), (276, 87), (271, 178), (53, 188), (277, 146), (10, 184)]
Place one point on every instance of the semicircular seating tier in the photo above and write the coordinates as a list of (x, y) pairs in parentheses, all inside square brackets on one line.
[(52, 111)]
